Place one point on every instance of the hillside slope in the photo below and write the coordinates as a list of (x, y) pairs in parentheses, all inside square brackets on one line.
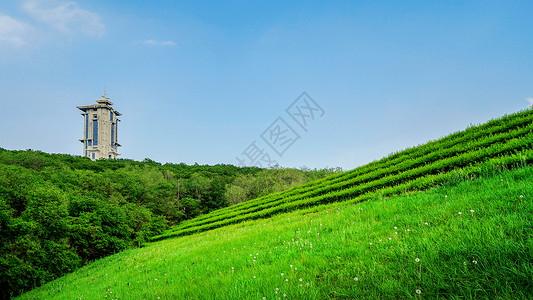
[(58, 212), (468, 239), (504, 141)]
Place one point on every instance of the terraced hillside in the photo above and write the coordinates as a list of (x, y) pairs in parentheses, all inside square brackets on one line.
[(467, 239), (505, 141)]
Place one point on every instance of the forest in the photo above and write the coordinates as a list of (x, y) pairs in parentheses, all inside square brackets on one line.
[(58, 212)]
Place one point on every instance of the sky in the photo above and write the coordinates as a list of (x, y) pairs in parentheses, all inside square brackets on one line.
[(297, 83)]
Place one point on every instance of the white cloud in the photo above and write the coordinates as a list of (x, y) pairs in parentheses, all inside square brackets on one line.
[(66, 17), (13, 32), (159, 43), (530, 100)]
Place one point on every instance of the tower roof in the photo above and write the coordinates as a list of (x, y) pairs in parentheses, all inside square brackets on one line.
[(101, 103), (104, 99)]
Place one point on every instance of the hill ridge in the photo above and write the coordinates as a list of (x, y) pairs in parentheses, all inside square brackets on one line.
[(506, 140)]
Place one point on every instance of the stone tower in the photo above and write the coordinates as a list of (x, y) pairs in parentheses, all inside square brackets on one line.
[(100, 130)]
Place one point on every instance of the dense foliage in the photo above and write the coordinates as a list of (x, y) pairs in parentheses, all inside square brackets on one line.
[(57, 212)]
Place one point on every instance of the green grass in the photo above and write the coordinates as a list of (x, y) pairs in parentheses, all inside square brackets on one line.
[(503, 141), (394, 246)]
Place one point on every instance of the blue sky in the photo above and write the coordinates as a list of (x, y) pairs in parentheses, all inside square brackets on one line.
[(200, 81)]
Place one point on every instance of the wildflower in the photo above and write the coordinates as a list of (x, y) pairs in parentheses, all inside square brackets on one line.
[(419, 292), (301, 279), (370, 243), (464, 263), (521, 196), (254, 277), (460, 213), (395, 227), (307, 284), (291, 266), (471, 210), (282, 274), (427, 223), (390, 239), (445, 196), (474, 262), (408, 229), (417, 259), (396, 232), (286, 279), (355, 278)]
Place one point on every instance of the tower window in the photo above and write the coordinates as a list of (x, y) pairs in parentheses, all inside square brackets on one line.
[(95, 132), (86, 126), (112, 135)]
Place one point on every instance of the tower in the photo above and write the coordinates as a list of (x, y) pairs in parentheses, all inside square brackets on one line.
[(100, 129)]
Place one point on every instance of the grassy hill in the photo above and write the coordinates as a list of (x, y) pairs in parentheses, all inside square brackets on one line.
[(506, 141), (466, 239), (367, 233), (59, 212)]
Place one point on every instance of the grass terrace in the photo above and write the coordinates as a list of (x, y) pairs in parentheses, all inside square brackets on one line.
[(505, 141)]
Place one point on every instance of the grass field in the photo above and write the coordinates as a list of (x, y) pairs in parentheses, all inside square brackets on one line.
[(467, 239)]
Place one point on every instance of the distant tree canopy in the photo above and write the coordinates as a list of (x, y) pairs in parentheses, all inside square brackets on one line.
[(57, 212)]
